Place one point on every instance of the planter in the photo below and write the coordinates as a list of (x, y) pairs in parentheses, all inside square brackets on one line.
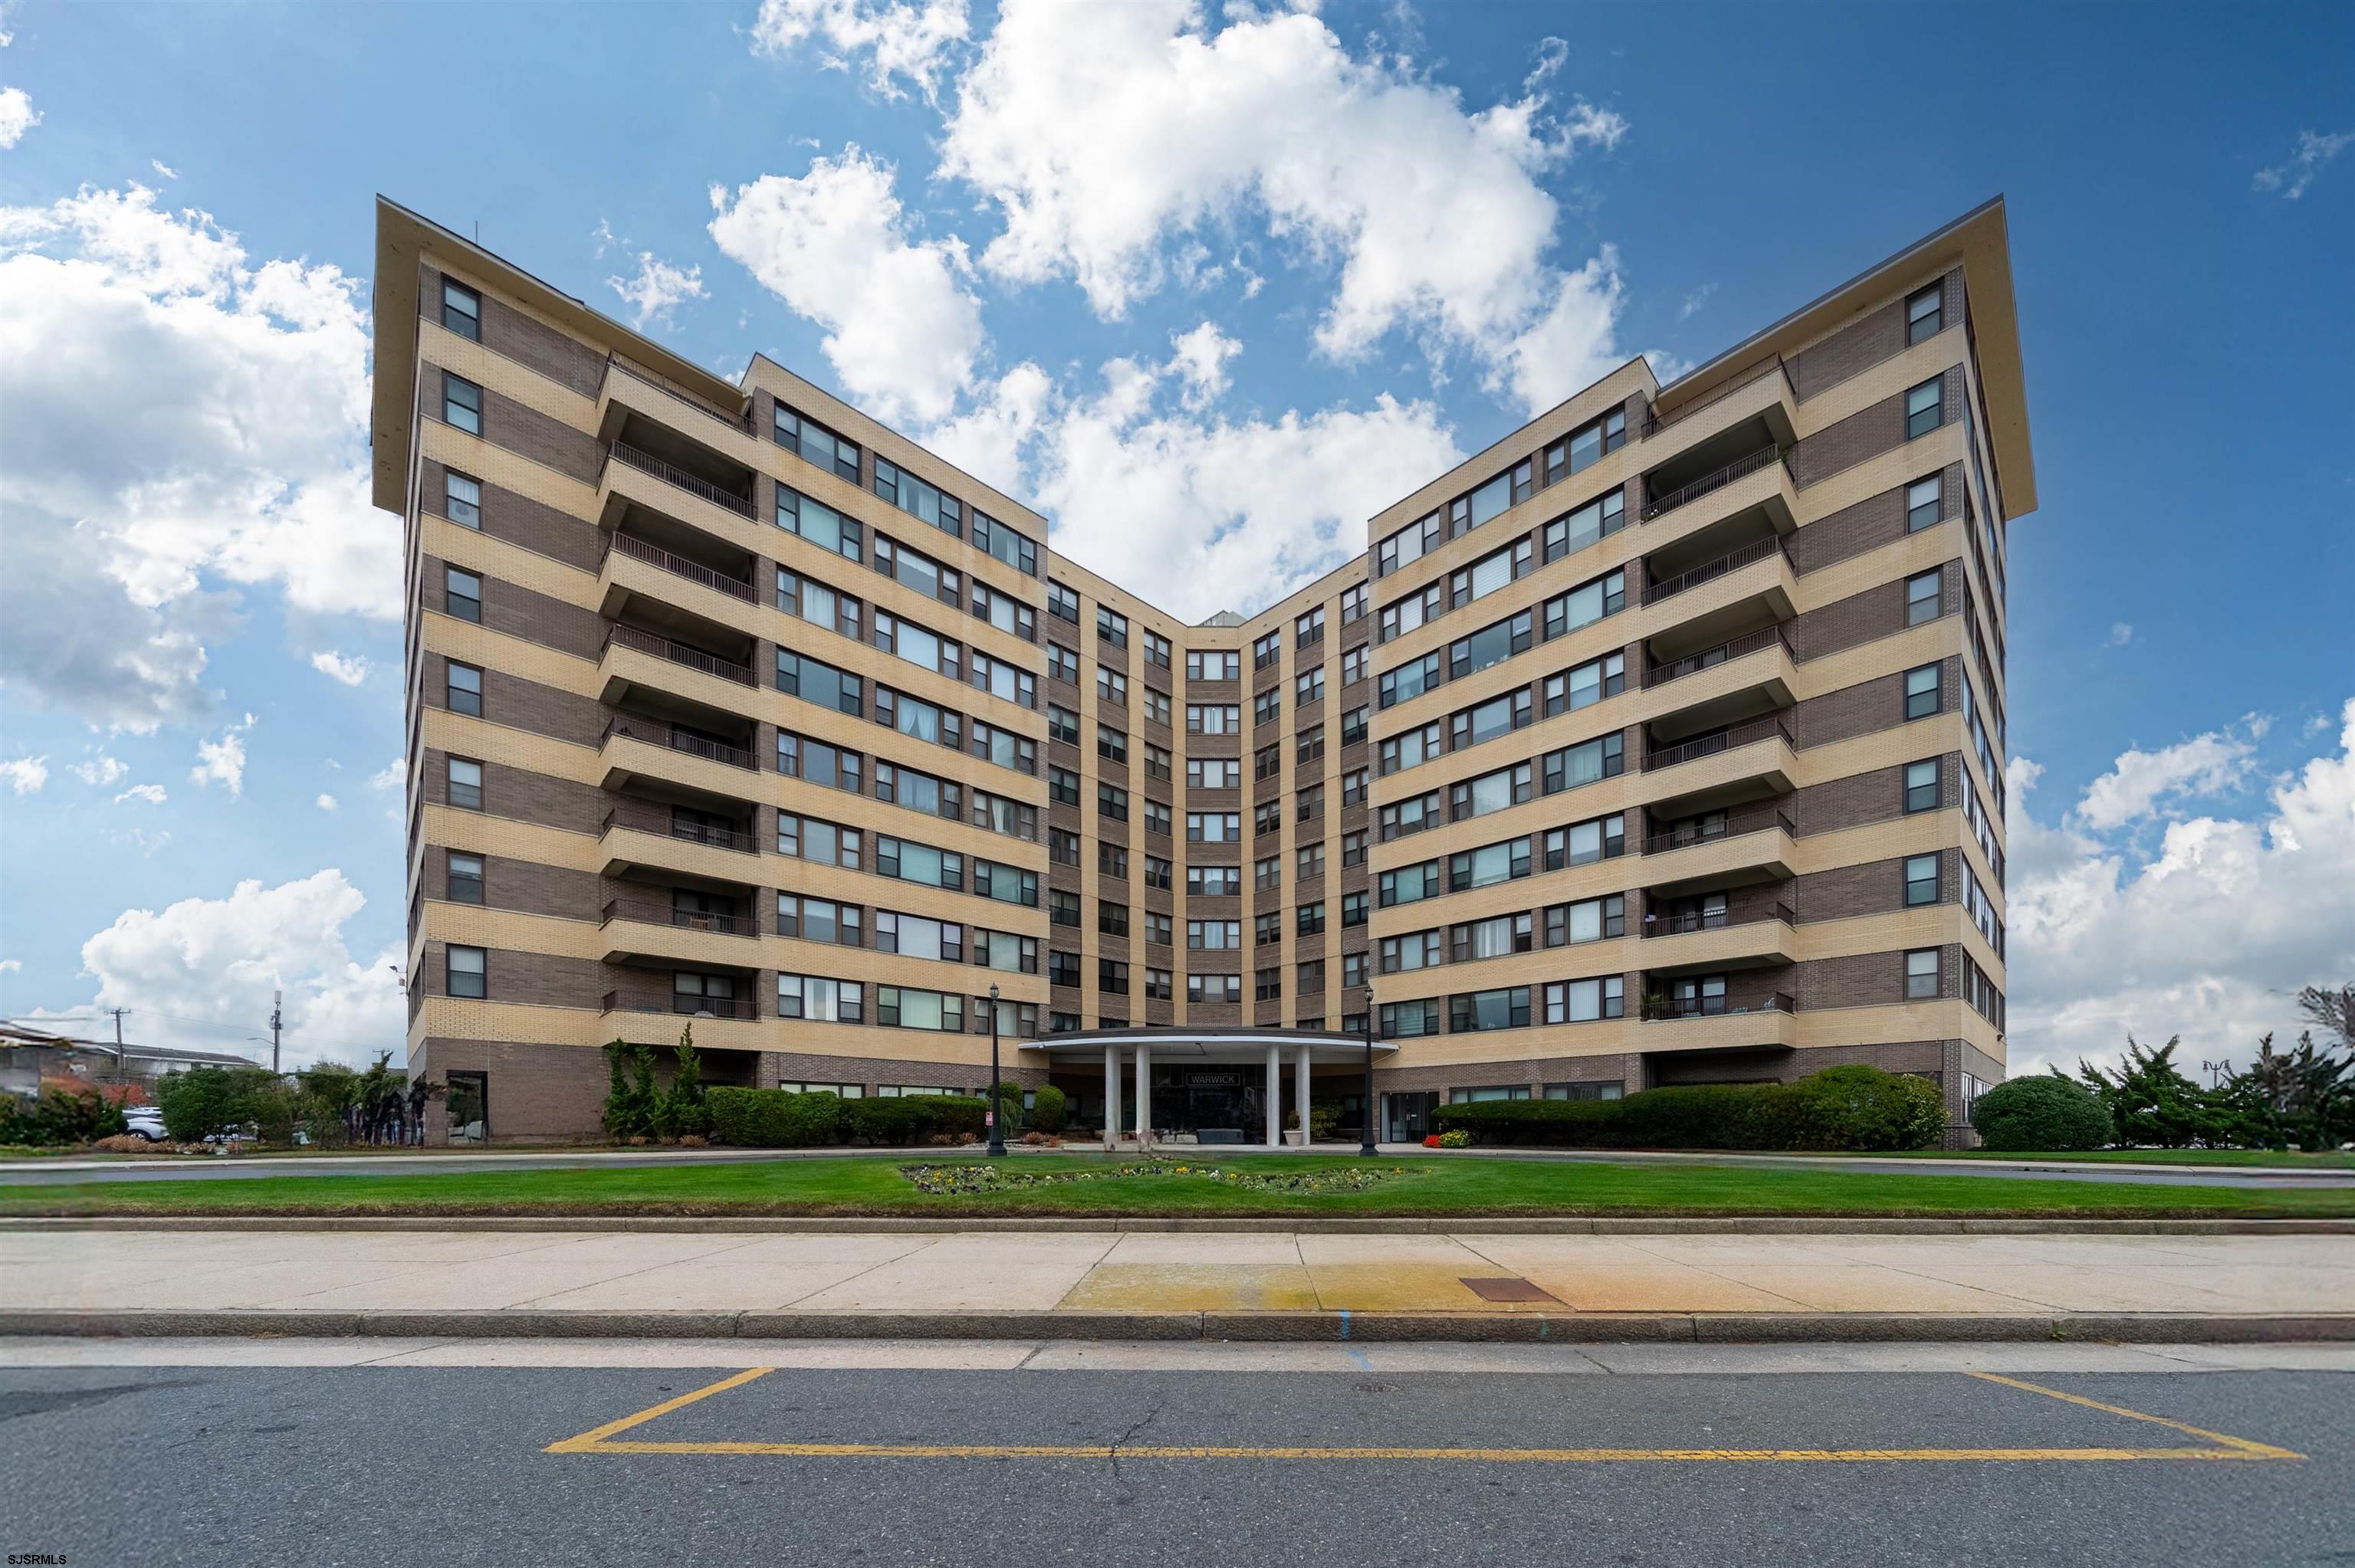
[(1294, 1138)]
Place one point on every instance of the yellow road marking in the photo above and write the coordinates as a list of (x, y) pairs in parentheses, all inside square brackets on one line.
[(596, 1435), (605, 1440), (2242, 1445)]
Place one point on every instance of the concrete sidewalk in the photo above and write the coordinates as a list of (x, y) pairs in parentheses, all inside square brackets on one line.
[(1106, 1285)]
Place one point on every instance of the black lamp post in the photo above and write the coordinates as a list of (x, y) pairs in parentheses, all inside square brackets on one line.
[(997, 1125), (1366, 1113)]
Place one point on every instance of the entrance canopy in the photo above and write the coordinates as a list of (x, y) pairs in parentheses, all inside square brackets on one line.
[(1205, 1046), (1192, 1099)]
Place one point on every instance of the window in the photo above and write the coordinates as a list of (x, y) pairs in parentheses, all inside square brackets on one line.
[(1157, 761), (1924, 314), (824, 920), (1308, 862), (461, 311), (1582, 844), (1586, 446), (1499, 715), (1267, 985), (1311, 802), (1062, 724), (1267, 762), (1267, 649), (1004, 543), (1214, 827), (1156, 818), (1062, 848), (468, 971), (1214, 935), (1111, 627), (1214, 988), (1267, 706), (1308, 746), (1112, 803), (1158, 931), (1309, 687), (1353, 605), (462, 593), (1062, 968), (1921, 880), (1353, 726), (817, 443), (1112, 745), (464, 689), (1505, 1008), (1584, 1002), (462, 404), (1586, 685), (1589, 921), (465, 784), (1213, 718), (1214, 881), (1353, 665), (1922, 975), (1353, 848), (1062, 665), (1411, 748), (1061, 601), (1922, 694), (1353, 909), (462, 500), (1225, 666), (465, 879), (1587, 604), (1310, 630), (1353, 786), (1157, 649), (1112, 977), (1921, 785), (1214, 773), (1924, 408), (1311, 977), (1062, 786), (898, 1006), (1157, 706), (831, 688), (1922, 598), (1924, 501), (1309, 919), (1574, 531), (1111, 919)]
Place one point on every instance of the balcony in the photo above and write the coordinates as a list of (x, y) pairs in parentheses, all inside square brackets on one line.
[(1763, 390), (644, 930), (636, 746), (1770, 730), (1709, 482), (1674, 1009), (639, 389), (635, 658), (648, 838), (1751, 846), (633, 566), (1708, 1025), (1694, 942), (646, 463)]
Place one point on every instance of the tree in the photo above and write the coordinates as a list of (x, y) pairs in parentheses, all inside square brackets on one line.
[(329, 1091), (2331, 1010), (2151, 1102), (1049, 1109), (198, 1102), (2300, 1098), (682, 1113), (1008, 1101), (633, 1099), (2050, 1113)]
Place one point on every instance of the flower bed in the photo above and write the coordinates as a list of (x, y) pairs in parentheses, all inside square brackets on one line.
[(958, 1181)]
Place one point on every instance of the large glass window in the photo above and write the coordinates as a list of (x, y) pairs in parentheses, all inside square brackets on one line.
[(1922, 975), (465, 784), (468, 971), (462, 593), (817, 443), (464, 689), (1924, 501), (462, 404), (820, 525), (1921, 785), (1922, 598), (1924, 314), (461, 311), (462, 500), (1921, 879), (1922, 694), (1925, 410)]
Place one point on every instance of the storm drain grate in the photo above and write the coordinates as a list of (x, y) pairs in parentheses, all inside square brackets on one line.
[(1508, 1289)]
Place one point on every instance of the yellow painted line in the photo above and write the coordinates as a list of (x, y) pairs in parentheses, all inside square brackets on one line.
[(1476, 1456), (2242, 1445), (596, 1435)]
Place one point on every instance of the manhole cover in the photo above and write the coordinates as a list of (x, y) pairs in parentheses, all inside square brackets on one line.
[(1509, 1289)]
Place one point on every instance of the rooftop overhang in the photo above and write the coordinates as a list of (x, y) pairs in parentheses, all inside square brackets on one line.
[(1222, 1047), (1980, 239), (404, 237)]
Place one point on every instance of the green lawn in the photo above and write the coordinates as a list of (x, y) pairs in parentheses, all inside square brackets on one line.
[(1468, 1187), (2288, 1159)]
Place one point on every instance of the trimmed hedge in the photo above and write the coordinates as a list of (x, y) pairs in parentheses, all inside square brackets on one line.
[(778, 1118), (2042, 1114), (1840, 1107), (1049, 1109)]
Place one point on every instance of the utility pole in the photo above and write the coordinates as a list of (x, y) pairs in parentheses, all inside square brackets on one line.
[(120, 1077), (276, 997)]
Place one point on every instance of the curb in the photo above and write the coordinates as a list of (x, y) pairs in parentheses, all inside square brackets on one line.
[(829, 1224), (1318, 1327)]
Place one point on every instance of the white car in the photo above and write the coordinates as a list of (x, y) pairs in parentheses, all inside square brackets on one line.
[(145, 1121)]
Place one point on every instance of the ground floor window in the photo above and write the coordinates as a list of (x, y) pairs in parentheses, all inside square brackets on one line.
[(843, 1091), (1494, 1092), (1598, 1091), (468, 1108), (899, 1091)]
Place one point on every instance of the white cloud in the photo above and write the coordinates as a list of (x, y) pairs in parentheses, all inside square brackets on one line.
[(152, 794), (2209, 938), (2121, 634), (1695, 301), (901, 38), (351, 672), (2140, 781), (1571, 347), (11, 966), (249, 388), (18, 115), (1201, 361), (217, 959), (222, 761), (100, 772), (658, 289), (162, 168), (903, 329), (2306, 160), (391, 776), (1101, 132), (325, 802), (26, 774)]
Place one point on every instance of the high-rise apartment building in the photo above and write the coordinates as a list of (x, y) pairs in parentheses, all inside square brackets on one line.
[(1660, 743)]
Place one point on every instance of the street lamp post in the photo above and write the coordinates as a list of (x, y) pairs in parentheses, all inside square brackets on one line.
[(1366, 1096), (997, 1125)]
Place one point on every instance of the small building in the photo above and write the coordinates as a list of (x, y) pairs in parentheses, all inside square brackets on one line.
[(29, 1057)]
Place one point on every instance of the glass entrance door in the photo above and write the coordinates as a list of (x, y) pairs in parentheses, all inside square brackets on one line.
[(469, 1108), (1408, 1117)]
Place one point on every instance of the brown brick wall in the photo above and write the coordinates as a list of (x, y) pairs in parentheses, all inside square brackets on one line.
[(520, 612), (525, 431), (523, 796), (536, 1093), (523, 884), (1875, 336), (1865, 707), (1862, 797), (519, 703), (1875, 887), (521, 521), (1867, 433)]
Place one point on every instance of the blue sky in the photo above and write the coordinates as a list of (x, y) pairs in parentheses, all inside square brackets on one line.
[(907, 213)]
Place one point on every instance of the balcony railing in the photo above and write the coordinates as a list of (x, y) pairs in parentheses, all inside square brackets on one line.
[(1740, 468), (683, 1006), (680, 566), (656, 733), (1725, 652), (679, 654), (1704, 920), (1710, 571), (1770, 365), (1734, 828), (741, 423), (1723, 740), (646, 462), (683, 919), (1665, 1008), (672, 827)]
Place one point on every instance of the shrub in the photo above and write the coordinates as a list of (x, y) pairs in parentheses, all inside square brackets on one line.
[(2044, 1113), (61, 1117), (197, 1102), (1862, 1107), (1456, 1137), (1009, 1107), (1840, 1107), (1049, 1109), (773, 1118), (1324, 1123), (913, 1120), (1543, 1124), (681, 1112)]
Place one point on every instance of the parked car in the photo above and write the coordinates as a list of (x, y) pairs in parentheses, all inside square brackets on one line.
[(145, 1121)]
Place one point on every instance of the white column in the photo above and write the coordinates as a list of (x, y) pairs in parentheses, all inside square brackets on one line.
[(1143, 1096), (1112, 1097), (1300, 1089), (1275, 1097)]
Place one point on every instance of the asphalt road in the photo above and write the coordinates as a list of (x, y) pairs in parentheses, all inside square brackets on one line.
[(396, 1465), (46, 1174)]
